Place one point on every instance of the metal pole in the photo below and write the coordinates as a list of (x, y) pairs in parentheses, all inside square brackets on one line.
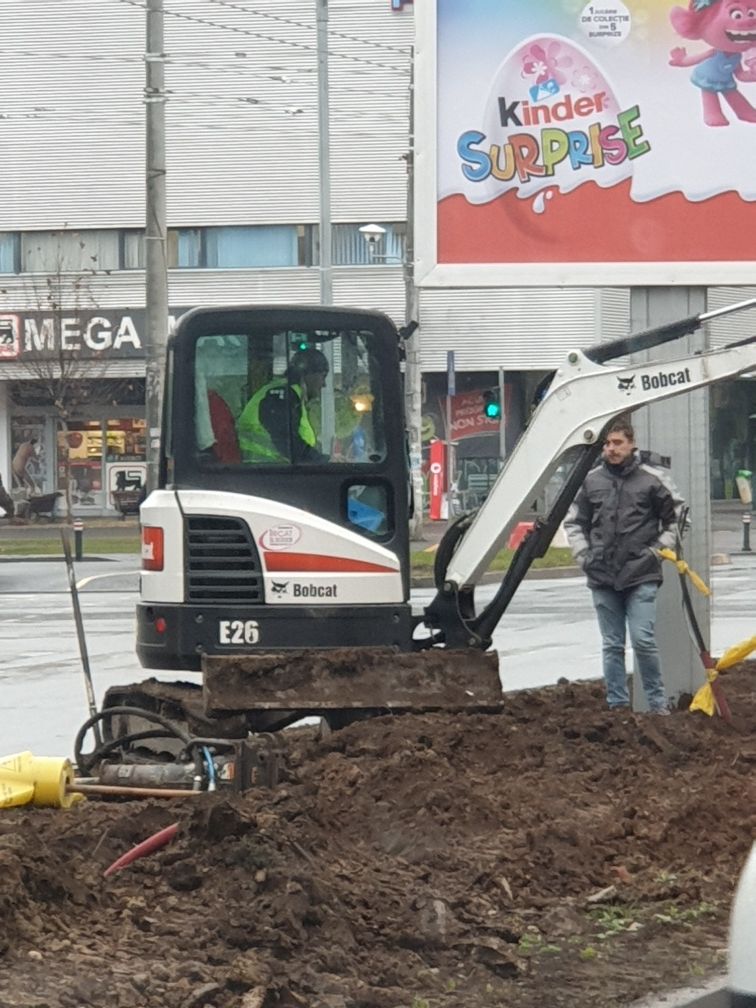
[(502, 419), (746, 532), (413, 373), (83, 653), (324, 156), (78, 527), (156, 276)]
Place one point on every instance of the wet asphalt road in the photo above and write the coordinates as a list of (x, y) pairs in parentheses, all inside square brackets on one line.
[(549, 631)]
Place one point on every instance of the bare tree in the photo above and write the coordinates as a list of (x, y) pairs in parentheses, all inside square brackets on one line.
[(64, 359)]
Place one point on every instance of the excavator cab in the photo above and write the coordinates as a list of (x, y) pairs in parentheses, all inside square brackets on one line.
[(302, 407)]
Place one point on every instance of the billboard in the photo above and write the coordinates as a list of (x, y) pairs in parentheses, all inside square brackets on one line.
[(585, 143)]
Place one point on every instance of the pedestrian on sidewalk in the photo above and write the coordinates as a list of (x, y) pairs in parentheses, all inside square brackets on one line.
[(25, 452), (624, 513)]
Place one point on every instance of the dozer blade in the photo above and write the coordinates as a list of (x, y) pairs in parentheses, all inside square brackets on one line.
[(352, 679)]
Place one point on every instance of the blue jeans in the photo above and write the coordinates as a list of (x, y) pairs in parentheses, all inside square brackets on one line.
[(636, 607)]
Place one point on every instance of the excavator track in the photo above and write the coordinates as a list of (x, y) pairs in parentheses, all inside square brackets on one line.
[(267, 692)]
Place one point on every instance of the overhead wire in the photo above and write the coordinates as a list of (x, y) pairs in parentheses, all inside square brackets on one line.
[(213, 99), (249, 33), (304, 24)]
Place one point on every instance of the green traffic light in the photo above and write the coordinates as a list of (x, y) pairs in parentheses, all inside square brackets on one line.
[(491, 405)]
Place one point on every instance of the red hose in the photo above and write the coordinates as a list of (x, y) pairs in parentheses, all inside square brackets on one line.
[(153, 843)]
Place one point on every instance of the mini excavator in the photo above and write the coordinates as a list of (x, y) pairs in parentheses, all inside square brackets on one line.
[(281, 578)]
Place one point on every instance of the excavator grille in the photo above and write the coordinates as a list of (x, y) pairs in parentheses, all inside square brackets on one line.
[(222, 563)]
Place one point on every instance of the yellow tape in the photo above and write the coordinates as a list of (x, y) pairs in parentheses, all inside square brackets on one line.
[(736, 653), (704, 700), (683, 568)]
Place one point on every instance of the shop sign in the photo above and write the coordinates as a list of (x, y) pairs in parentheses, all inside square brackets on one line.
[(123, 476), (111, 333)]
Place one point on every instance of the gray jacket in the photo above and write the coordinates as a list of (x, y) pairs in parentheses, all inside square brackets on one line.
[(621, 516)]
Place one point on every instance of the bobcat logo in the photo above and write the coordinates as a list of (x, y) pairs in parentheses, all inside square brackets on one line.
[(626, 385), (279, 587)]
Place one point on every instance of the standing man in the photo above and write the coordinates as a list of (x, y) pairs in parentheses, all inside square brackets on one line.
[(625, 512), (275, 425)]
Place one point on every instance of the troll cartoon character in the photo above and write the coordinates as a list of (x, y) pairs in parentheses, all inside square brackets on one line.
[(729, 26)]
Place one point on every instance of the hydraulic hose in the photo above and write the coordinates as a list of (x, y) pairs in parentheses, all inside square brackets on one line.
[(85, 762)]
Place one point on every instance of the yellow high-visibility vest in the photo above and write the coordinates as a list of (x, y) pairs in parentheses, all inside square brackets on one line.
[(255, 442)]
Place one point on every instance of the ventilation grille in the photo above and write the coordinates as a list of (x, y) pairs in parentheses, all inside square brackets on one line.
[(222, 565)]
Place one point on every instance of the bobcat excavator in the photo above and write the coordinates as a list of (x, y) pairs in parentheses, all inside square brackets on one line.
[(280, 577)]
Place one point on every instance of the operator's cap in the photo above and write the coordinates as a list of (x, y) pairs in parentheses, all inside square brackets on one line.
[(310, 361)]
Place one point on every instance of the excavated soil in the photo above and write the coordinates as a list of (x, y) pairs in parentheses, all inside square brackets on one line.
[(555, 854)]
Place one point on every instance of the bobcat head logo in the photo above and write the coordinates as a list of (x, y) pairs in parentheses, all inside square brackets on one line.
[(626, 385), (279, 587)]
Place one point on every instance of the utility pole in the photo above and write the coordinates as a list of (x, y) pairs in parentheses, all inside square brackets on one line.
[(156, 276), (413, 372), (324, 156)]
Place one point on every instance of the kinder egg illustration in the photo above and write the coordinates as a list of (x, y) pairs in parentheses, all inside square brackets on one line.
[(552, 121)]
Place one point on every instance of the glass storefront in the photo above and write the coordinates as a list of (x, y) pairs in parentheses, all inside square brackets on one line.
[(100, 449), (99, 457), (91, 460)]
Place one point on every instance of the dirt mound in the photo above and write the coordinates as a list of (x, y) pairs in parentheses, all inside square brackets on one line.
[(557, 853)]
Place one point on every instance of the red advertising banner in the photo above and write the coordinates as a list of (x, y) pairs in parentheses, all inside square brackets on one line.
[(468, 418)]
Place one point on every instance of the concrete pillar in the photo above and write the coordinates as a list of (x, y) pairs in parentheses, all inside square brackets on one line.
[(5, 436), (679, 428)]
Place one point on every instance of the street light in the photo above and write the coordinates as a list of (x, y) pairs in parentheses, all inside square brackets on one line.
[(372, 233)]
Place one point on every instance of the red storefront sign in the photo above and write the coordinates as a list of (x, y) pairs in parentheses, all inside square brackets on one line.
[(468, 418)]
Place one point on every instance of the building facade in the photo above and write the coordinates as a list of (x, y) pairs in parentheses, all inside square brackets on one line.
[(244, 192)]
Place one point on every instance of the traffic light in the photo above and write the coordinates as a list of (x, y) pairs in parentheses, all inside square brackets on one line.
[(491, 404)]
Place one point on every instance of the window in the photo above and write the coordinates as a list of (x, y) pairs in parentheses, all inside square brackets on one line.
[(252, 247), (288, 398), (234, 247), (133, 250), (185, 248), (9, 252), (69, 251), (240, 247)]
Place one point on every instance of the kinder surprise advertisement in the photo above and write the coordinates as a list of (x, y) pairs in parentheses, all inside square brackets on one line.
[(599, 133)]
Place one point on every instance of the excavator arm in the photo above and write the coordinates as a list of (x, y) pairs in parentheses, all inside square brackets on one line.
[(586, 393)]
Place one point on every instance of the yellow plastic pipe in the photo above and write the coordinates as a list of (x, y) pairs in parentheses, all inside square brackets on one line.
[(43, 781)]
